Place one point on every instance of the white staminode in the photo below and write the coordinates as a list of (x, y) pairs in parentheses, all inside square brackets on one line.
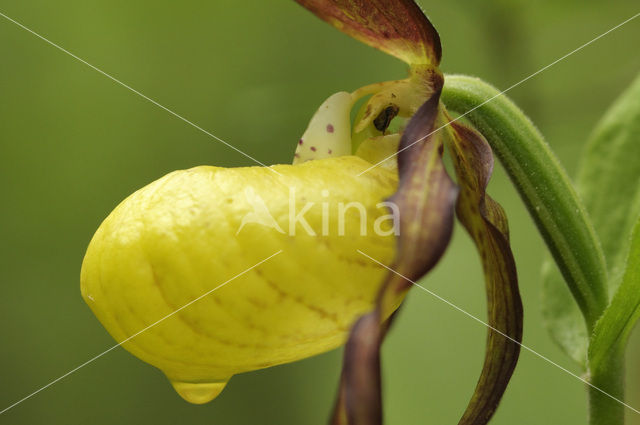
[(329, 131)]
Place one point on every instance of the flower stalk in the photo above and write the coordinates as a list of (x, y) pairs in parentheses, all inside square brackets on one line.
[(568, 231), (543, 185), (607, 394)]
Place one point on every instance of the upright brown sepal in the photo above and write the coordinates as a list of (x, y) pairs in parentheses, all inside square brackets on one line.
[(397, 27)]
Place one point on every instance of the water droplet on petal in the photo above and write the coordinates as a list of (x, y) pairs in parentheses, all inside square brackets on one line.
[(199, 392)]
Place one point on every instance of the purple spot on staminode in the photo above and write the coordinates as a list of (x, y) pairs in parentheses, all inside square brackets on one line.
[(300, 141), (296, 155), (329, 128), (313, 148), (329, 151)]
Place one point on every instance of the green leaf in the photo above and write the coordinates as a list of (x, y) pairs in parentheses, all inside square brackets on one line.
[(486, 222), (561, 315), (609, 179), (543, 184), (425, 199), (609, 184), (398, 28)]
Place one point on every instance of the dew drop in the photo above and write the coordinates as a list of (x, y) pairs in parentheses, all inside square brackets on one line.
[(198, 392)]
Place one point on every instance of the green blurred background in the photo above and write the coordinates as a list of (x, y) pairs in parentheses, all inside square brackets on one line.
[(73, 144)]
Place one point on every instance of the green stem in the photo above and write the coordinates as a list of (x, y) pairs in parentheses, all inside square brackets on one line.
[(609, 340), (608, 377), (543, 185)]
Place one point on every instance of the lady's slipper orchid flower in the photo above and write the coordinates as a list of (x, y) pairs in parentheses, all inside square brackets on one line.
[(330, 227)]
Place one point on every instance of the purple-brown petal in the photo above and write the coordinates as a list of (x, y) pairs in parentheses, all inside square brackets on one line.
[(426, 199), (486, 222)]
